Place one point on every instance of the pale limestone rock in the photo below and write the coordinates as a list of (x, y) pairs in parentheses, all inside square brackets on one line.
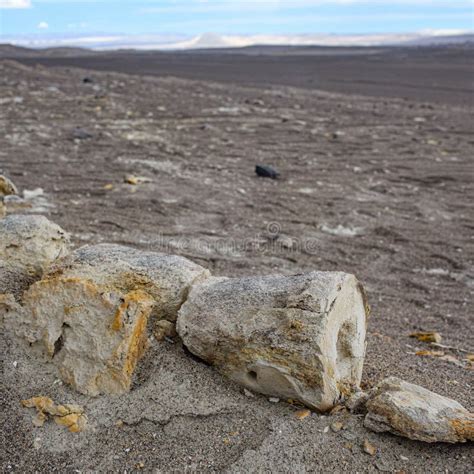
[(31, 243), (300, 337), (89, 314), (166, 278), (414, 412)]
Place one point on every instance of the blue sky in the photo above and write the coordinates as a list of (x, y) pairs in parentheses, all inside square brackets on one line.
[(242, 17)]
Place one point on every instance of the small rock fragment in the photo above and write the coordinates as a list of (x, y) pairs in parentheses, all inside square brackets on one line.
[(248, 393), (414, 412), (132, 179), (7, 187), (300, 337), (163, 329), (274, 400), (337, 426), (81, 134), (265, 171), (369, 448), (356, 402), (427, 336), (302, 414), (71, 416)]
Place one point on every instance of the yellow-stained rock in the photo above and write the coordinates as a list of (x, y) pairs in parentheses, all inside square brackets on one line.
[(414, 412), (70, 416), (89, 314)]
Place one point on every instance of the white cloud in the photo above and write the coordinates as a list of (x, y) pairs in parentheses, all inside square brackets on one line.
[(15, 4), (42, 25)]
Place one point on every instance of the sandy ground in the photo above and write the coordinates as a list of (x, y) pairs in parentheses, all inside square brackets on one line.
[(378, 187)]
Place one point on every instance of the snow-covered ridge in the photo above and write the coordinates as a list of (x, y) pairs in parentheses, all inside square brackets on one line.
[(212, 40)]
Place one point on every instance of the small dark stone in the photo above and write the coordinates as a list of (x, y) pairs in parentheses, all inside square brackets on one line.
[(265, 171), (81, 134), (87, 80)]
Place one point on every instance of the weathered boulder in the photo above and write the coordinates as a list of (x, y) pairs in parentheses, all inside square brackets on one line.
[(89, 314), (31, 243), (28, 247), (300, 337), (414, 412)]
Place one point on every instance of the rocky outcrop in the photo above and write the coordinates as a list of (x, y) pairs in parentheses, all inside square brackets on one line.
[(29, 245), (300, 337), (89, 314), (414, 412)]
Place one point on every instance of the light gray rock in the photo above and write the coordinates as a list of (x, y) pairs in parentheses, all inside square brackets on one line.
[(298, 337), (89, 315), (166, 278), (414, 412), (7, 187), (31, 243)]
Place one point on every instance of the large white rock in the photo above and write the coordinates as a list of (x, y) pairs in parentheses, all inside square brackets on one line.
[(300, 337), (414, 412), (89, 314)]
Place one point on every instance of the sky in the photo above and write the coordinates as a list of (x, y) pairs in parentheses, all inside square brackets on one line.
[(176, 18)]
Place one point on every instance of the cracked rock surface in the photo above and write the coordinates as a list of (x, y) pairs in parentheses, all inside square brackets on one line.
[(412, 411), (89, 315), (296, 337)]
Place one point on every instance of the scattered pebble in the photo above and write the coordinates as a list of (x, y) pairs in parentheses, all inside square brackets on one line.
[(131, 179), (248, 393), (265, 171), (302, 414), (81, 134), (337, 426), (273, 400), (427, 336), (369, 448)]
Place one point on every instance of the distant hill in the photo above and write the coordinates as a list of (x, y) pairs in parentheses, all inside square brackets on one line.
[(12, 51), (442, 40)]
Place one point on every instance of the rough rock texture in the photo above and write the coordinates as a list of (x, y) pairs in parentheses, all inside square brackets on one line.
[(71, 416), (412, 411), (166, 278), (300, 337), (31, 243), (7, 187), (89, 315)]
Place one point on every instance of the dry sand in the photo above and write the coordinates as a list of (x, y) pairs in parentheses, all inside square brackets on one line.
[(377, 187)]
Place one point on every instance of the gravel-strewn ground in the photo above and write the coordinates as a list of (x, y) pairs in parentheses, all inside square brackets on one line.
[(378, 187)]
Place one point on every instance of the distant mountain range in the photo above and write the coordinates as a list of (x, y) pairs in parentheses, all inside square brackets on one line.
[(73, 45)]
